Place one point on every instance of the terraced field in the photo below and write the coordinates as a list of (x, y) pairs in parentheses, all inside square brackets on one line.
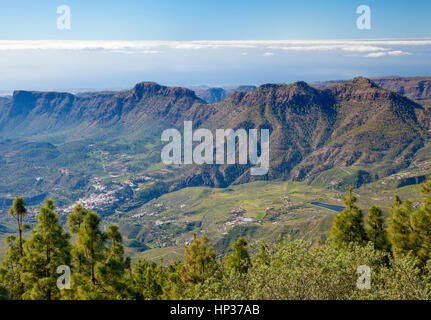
[(260, 211)]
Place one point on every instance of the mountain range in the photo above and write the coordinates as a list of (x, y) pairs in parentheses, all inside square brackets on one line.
[(312, 130), (415, 88), (379, 124)]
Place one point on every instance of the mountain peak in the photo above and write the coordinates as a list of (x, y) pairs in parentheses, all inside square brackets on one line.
[(362, 83), (359, 88), (282, 95), (153, 88), (147, 86), (301, 84)]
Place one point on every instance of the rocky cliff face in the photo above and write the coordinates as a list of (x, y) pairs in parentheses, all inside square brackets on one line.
[(373, 126), (29, 113), (414, 88), (311, 130)]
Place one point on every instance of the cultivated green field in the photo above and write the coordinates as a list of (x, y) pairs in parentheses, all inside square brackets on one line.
[(260, 211), (277, 208)]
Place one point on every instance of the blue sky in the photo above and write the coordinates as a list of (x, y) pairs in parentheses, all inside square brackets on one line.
[(77, 60), (214, 20)]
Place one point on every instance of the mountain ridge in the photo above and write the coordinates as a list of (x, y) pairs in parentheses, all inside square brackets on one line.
[(414, 88), (311, 130), (28, 112)]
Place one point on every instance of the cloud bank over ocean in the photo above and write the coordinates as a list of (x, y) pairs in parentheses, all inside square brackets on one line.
[(54, 64), (155, 46)]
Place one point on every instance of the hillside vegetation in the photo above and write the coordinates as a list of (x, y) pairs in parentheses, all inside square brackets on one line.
[(360, 260), (103, 150)]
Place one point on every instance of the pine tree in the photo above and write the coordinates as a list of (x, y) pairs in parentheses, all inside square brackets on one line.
[(397, 201), (199, 262), (113, 273), (46, 250), (91, 241), (102, 270), (74, 221), (18, 212), (263, 255), (173, 285), (400, 233), (348, 225), (148, 280), (420, 222), (87, 252), (239, 259), (374, 227), (11, 270)]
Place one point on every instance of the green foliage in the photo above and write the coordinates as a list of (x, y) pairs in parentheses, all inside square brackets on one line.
[(148, 280), (3, 293), (75, 219), (114, 273), (238, 260), (11, 269), (199, 262), (288, 269), (357, 179), (420, 222), (101, 269), (11, 272), (91, 243), (46, 250), (348, 225), (410, 229), (263, 255), (374, 227), (296, 272), (18, 212), (152, 192), (399, 229)]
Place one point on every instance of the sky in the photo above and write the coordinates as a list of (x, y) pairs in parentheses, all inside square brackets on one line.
[(115, 44)]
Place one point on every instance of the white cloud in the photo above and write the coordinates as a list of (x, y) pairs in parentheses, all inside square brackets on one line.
[(375, 54), (303, 48), (388, 53), (152, 47), (362, 48), (268, 54), (343, 47), (398, 53)]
